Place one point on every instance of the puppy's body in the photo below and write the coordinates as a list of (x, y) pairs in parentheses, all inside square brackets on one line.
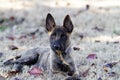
[(60, 44), (61, 49)]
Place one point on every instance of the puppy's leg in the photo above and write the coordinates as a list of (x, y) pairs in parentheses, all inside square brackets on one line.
[(11, 61), (27, 60)]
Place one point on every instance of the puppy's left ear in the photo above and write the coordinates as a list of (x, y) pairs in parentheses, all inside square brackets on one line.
[(67, 24)]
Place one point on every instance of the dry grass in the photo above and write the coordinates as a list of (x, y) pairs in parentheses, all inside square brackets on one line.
[(103, 14)]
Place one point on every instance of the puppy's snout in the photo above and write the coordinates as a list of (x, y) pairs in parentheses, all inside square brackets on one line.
[(57, 47)]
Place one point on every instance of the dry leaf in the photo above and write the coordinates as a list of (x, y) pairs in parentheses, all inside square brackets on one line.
[(92, 56), (1, 54), (110, 65), (76, 48), (35, 71), (99, 78), (85, 73), (12, 47), (10, 38), (112, 74)]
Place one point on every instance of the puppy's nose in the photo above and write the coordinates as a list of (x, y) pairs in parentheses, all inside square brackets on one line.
[(57, 47)]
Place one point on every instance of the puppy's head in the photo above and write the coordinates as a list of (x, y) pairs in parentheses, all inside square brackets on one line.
[(59, 35)]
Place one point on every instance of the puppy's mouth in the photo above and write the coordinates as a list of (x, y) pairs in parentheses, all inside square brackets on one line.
[(59, 53)]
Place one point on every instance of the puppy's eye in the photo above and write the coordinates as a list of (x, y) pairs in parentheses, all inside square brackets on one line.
[(63, 36), (53, 36)]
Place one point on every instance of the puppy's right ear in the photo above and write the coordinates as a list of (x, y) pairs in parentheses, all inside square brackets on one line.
[(50, 23)]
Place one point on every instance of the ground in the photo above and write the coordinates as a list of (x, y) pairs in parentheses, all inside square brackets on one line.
[(96, 31)]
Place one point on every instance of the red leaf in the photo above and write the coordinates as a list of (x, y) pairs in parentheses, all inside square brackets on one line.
[(12, 18), (10, 38), (92, 56), (35, 71)]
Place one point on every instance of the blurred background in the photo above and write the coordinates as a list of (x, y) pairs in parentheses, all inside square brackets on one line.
[(19, 18)]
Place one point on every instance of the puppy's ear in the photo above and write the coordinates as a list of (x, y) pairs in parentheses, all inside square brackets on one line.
[(67, 24), (50, 23)]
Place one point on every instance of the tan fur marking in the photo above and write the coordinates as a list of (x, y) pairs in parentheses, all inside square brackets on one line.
[(60, 55)]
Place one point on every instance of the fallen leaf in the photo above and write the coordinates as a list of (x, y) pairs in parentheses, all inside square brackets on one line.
[(34, 32), (110, 65), (81, 35), (98, 29), (112, 74), (116, 42), (35, 71), (92, 56), (1, 54), (87, 6), (1, 21), (76, 48), (97, 41), (23, 37), (12, 47), (17, 78), (99, 78), (12, 18), (12, 73), (10, 38), (93, 64), (85, 73)]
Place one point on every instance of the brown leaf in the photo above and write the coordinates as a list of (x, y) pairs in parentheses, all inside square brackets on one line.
[(12, 18), (10, 38), (12, 73)]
